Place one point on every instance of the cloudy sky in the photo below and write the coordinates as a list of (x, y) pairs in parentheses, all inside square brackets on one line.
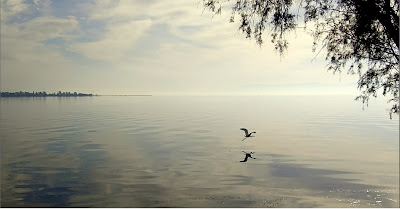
[(150, 47)]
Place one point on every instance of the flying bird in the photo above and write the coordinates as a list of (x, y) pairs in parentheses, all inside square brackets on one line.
[(248, 155), (246, 133)]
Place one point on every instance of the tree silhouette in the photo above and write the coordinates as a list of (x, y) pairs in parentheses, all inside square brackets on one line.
[(42, 94), (360, 36)]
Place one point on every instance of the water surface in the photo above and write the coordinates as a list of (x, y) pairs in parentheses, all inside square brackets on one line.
[(164, 151)]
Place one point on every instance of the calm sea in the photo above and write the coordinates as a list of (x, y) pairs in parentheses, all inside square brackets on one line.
[(165, 151)]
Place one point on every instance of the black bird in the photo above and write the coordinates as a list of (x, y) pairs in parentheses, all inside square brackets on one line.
[(248, 155), (246, 133)]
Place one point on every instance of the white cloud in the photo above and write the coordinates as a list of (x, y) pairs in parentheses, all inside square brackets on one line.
[(114, 10), (23, 41), (43, 28), (13, 7), (16, 9), (127, 9), (117, 40)]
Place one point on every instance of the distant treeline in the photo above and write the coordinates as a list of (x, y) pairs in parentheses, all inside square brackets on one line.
[(43, 94)]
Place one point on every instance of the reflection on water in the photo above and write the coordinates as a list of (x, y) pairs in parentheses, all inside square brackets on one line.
[(185, 152)]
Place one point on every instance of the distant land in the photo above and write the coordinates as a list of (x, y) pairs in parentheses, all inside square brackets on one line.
[(44, 94), (58, 94)]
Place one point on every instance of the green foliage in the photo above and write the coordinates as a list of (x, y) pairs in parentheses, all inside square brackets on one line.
[(360, 36)]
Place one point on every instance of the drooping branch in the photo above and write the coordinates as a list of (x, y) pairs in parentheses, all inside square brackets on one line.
[(362, 34)]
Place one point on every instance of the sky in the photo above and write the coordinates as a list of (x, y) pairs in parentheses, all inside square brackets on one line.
[(153, 47)]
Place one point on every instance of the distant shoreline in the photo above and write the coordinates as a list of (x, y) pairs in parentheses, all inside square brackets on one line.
[(60, 94), (44, 94)]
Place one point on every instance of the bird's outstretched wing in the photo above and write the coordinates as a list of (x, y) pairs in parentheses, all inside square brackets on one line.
[(245, 159), (245, 131)]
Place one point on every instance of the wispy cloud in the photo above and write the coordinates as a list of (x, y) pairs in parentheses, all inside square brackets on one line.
[(117, 40), (23, 40), (13, 8)]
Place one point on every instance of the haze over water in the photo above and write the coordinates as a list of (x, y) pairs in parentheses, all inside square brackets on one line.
[(171, 151)]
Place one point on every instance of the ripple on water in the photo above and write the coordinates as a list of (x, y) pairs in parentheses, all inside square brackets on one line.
[(127, 152)]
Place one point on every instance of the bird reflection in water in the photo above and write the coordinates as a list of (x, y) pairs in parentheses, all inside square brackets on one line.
[(248, 155)]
